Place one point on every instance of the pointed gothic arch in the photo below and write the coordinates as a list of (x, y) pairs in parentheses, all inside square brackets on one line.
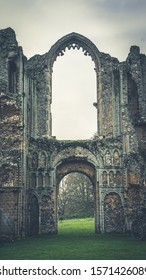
[(74, 41)]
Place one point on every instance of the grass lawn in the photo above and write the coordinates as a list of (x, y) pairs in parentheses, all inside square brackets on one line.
[(76, 241)]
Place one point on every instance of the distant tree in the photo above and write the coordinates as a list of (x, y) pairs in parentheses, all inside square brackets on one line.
[(76, 196)]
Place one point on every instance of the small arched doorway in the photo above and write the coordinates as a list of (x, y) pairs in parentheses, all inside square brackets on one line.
[(113, 213), (33, 215), (83, 167)]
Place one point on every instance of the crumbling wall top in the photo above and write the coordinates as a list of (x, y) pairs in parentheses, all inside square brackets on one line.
[(8, 39)]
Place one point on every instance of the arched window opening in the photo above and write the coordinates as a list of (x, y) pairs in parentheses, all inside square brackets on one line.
[(133, 102), (12, 68), (40, 180), (74, 92)]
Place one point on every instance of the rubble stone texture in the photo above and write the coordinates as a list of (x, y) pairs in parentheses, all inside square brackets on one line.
[(33, 162)]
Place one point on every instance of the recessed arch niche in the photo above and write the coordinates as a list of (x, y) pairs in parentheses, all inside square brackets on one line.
[(113, 213)]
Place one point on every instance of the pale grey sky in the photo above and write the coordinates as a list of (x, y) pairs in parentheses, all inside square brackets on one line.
[(112, 25)]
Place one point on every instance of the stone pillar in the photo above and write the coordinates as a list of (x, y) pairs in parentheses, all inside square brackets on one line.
[(124, 112), (97, 204), (116, 101), (101, 202), (44, 183), (33, 109), (36, 173), (48, 79), (53, 186), (102, 213), (55, 198), (52, 179), (23, 165), (40, 209)]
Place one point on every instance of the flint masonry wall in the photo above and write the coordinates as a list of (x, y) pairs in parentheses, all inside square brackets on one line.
[(32, 162), (11, 136)]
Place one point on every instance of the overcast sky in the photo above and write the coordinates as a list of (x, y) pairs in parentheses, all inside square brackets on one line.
[(112, 25)]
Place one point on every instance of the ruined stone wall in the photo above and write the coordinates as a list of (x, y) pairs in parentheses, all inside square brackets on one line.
[(36, 71), (8, 45), (11, 132), (108, 100), (32, 162), (40, 188), (114, 213), (137, 97), (134, 132), (8, 212), (136, 66)]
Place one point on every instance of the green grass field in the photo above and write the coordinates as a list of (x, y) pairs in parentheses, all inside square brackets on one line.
[(76, 241)]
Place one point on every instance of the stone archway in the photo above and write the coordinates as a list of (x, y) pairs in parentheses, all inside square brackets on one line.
[(80, 166), (74, 41), (86, 168)]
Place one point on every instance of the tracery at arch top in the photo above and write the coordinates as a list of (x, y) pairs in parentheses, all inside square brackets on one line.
[(74, 41)]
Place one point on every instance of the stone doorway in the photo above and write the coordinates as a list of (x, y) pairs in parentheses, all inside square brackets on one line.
[(82, 167), (75, 197), (33, 215)]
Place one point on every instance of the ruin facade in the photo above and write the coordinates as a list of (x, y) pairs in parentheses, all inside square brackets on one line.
[(33, 162)]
